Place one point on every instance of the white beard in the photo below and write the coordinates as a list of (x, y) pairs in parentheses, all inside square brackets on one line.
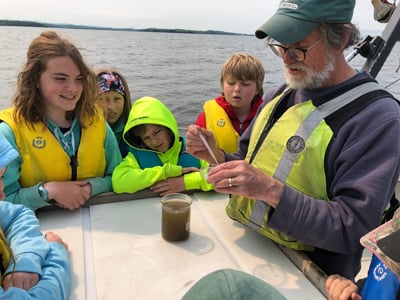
[(312, 79)]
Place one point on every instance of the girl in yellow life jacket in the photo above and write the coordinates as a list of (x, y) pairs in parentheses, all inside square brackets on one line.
[(67, 152)]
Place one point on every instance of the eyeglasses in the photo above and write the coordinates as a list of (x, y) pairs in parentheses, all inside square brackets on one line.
[(298, 54)]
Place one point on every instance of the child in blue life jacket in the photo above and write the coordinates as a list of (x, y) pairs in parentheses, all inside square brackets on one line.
[(32, 266), (383, 280), (157, 157)]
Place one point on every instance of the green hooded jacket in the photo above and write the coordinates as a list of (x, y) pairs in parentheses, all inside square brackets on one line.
[(129, 176)]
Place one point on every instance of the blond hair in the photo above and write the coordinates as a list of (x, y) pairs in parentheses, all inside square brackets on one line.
[(244, 67), (6, 255)]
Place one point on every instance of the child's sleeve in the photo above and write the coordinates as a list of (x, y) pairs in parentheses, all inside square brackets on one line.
[(129, 177), (23, 235), (55, 282), (194, 180)]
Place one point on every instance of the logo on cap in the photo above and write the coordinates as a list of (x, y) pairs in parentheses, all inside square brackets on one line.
[(288, 5)]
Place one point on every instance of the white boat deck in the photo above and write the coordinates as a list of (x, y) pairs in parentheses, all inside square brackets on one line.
[(117, 252)]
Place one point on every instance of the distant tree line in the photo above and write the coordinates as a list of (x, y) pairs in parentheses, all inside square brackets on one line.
[(71, 26)]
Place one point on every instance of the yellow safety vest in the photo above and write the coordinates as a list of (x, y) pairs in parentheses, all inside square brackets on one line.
[(297, 140), (217, 120), (44, 159)]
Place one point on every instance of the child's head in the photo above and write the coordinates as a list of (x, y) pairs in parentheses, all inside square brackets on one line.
[(29, 101), (7, 155), (113, 95), (155, 137), (244, 67)]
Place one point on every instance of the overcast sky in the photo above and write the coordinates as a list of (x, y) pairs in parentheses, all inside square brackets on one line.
[(225, 15)]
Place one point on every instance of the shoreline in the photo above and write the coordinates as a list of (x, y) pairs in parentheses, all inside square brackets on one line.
[(20, 23)]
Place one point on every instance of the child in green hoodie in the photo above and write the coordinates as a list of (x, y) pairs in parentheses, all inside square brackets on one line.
[(157, 157)]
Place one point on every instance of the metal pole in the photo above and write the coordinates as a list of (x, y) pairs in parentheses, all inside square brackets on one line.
[(316, 276), (391, 34)]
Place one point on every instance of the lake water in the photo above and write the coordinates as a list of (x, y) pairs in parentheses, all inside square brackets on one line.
[(182, 70)]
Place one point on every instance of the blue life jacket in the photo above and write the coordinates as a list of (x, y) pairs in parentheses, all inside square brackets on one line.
[(381, 282)]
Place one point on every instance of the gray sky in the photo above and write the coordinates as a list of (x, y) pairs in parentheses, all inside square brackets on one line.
[(225, 15)]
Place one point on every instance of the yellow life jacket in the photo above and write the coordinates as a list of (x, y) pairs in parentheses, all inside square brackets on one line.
[(217, 120), (297, 140), (5, 255), (44, 159)]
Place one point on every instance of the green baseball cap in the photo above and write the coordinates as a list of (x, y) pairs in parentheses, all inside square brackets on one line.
[(295, 19), (229, 284)]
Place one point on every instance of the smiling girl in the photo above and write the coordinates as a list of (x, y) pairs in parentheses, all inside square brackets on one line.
[(54, 125)]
